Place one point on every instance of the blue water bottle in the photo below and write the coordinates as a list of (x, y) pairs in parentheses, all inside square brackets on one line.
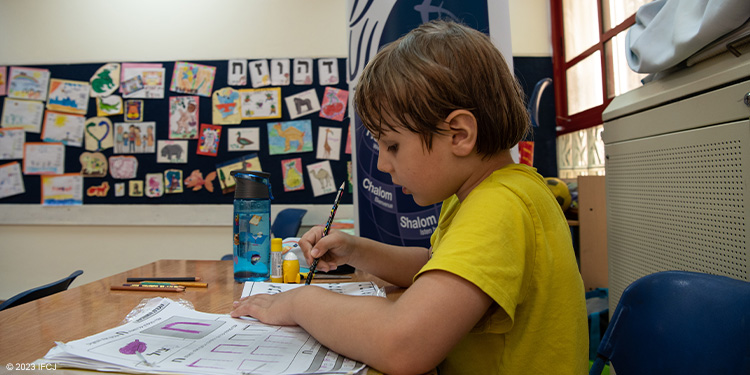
[(252, 225)]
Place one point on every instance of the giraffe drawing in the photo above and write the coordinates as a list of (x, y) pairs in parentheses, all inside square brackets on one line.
[(327, 147)]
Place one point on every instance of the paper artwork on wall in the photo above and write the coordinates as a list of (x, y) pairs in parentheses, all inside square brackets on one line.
[(208, 140), (329, 143), (279, 72), (133, 110), (303, 71), (154, 185), (3, 79), (196, 181), (105, 81), (328, 71), (183, 117), (173, 181), (142, 81), (11, 143), (68, 96), (123, 167), (62, 190), (43, 158), (261, 103), (226, 181), (289, 136), (93, 164), (259, 75), (132, 87), (119, 189), (172, 152), (321, 178), (137, 138), (193, 79), (26, 114), (237, 72), (348, 148), (99, 134), (65, 128), (334, 104), (98, 191), (28, 83), (243, 139), (11, 180), (135, 188), (109, 105), (226, 106), (303, 103), (292, 174)]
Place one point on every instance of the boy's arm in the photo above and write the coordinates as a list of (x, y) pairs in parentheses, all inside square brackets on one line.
[(394, 264), (411, 335)]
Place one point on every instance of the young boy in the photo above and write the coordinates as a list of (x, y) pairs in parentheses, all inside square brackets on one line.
[(499, 290)]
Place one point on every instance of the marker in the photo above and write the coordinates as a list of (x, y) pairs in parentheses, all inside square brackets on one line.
[(154, 278), (325, 231)]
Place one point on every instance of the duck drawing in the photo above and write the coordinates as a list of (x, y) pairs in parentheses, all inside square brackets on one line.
[(243, 141)]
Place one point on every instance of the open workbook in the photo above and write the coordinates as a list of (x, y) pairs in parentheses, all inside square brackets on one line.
[(165, 336)]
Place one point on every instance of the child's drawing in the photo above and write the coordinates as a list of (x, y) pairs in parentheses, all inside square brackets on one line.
[(43, 158), (11, 143), (303, 71), (292, 173), (98, 133), (348, 148), (260, 103), (62, 190), (153, 84), (68, 96), (226, 106), (106, 80), (142, 80), (154, 187), (194, 79), (26, 114), (237, 72), (93, 164), (243, 139), (123, 167), (132, 87), (328, 71), (280, 72), (173, 181), (259, 75), (208, 142), (11, 180), (135, 138), (109, 105), (172, 152), (3, 79), (133, 110), (334, 104), (196, 181), (289, 136), (98, 190), (28, 83), (226, 181), (135, 188), (329, 143), (183, 117), (321, 178), (302, 104), (119, 189), (63, 127)]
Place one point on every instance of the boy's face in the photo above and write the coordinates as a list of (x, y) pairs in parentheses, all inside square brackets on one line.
[(417, 170)]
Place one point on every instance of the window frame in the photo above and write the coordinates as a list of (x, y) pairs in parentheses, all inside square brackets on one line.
[(593, 116)]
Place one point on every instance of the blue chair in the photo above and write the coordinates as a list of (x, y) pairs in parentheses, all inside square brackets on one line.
[(39, 292), (678, 322), (286, 224)]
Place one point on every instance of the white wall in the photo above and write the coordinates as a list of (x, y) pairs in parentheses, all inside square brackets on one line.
[(36, 244)]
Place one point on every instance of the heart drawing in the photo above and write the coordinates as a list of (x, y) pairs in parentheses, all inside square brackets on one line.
[(99, 130)]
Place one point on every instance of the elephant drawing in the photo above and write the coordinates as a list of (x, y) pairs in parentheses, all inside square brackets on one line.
[(169, 151)]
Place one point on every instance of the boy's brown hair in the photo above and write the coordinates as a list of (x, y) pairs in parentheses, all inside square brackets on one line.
[(416, 81)]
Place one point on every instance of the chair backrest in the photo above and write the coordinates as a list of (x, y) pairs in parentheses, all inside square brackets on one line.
[(39, 292), (287, 222), (678, 322)]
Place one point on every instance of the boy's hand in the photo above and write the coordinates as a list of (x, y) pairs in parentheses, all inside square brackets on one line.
[(334, 249), (275, 309)]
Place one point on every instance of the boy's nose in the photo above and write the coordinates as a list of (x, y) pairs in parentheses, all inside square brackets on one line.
[(383, 165)]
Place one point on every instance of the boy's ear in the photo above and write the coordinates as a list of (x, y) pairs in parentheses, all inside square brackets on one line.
[(462, 127)]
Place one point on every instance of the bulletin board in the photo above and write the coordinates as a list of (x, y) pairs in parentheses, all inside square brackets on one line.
[(319, 134)]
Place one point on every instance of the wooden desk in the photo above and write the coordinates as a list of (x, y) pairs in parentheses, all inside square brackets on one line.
[(29, 331)]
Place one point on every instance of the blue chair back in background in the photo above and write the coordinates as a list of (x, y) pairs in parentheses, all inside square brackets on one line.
[(39, 292), (678, 322)]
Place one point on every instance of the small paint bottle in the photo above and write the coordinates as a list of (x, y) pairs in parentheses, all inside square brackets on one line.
[(276, 273)]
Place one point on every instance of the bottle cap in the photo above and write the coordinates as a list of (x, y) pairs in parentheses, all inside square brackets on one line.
[(251, 184), (276, 244)]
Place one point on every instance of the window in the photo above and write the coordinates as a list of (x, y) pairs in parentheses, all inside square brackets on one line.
[(589, 58)]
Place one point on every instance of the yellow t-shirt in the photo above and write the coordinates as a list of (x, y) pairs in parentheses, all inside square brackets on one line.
[(510, 238)]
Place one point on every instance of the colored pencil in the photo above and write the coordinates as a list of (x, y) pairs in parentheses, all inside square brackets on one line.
[(325, 231)]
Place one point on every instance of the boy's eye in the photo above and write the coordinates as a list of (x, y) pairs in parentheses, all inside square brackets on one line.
[(393, 147)]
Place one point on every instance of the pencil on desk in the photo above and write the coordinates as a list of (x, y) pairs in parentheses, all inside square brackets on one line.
[(154, 286), (180, 283), (154, 278), (145, 288)]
